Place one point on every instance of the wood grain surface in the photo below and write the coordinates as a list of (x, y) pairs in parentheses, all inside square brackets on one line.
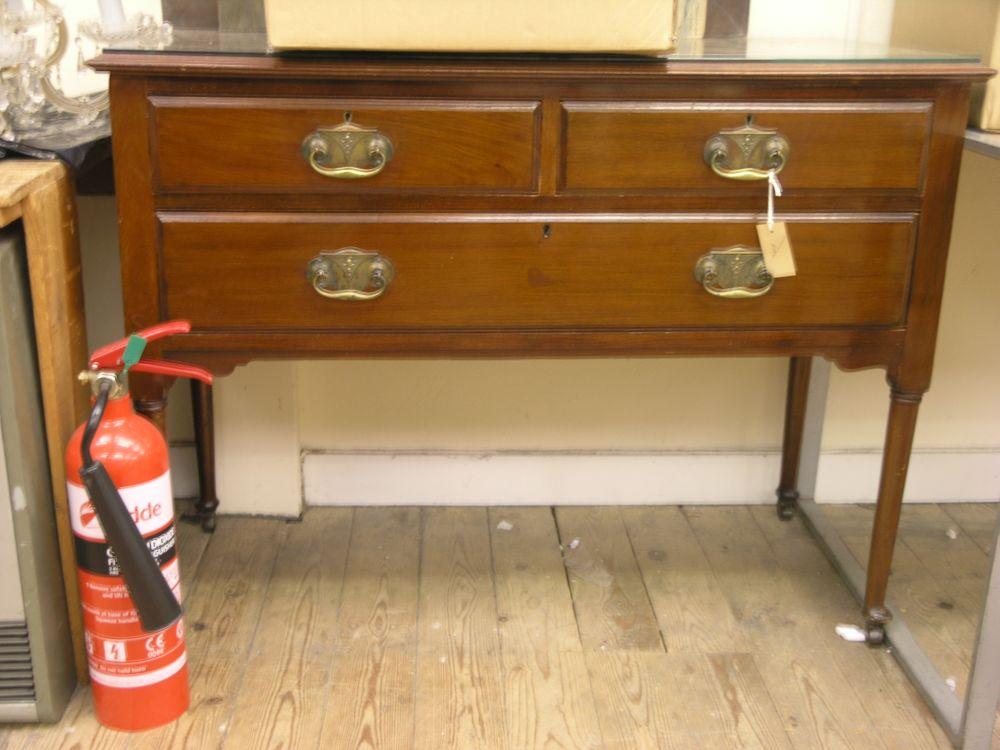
[(478, 273), (547, 690), (659, 146), (613, 607), (42, 194), (287, 674), (458, 704), (253, 145), (372, 684), (341, 622)]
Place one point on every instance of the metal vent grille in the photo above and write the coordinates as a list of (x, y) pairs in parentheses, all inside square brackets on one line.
[(17, 683)]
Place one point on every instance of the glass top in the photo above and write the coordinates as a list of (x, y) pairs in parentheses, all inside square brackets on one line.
[(733, 49)]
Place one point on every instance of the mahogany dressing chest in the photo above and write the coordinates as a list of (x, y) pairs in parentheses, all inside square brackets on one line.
[(392, 206)]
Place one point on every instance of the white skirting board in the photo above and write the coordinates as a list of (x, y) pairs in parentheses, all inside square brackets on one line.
[(542, 478)]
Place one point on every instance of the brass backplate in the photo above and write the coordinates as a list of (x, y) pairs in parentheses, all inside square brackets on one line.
[(736, 272), (747, 152), (350, 274)]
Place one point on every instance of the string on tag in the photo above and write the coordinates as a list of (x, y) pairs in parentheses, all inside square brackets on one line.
[(773, 189)]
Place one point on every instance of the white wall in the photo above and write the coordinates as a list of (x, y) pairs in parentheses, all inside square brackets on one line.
[(847, 20)]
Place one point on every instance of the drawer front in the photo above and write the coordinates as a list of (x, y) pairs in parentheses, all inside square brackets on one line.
[(653, 146), (206, 144), (475, 272)]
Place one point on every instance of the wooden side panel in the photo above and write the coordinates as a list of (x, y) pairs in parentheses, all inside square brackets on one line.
[(482, 274), (253, 144), (133, 185), (652, 146), (951, 112), (53, 248)]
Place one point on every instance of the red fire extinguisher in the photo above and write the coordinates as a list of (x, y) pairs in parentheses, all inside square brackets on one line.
[(122, 514)]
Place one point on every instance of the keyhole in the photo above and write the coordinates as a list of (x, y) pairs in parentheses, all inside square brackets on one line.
[(749, 120), (546, 231), (347, 116)]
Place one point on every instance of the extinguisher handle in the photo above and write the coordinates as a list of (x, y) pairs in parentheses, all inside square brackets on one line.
[(155, 602), (109, 356), (173, 369)]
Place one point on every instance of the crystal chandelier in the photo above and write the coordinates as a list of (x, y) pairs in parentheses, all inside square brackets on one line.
[(34, 110)]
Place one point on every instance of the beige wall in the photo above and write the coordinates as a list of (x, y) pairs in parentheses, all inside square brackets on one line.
[(962, 408)]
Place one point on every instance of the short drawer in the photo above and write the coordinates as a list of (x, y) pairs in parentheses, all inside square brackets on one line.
[(262, 145), (478, 272), (661, 146)]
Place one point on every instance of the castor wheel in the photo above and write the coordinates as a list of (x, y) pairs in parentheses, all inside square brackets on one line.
[(206, 520), (875, 634), (787, 502)]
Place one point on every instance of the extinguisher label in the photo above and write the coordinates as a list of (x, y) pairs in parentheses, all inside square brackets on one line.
[(150, 504), (107, 606), (99, 557), (140, 660), (140, 679), (120, 654)]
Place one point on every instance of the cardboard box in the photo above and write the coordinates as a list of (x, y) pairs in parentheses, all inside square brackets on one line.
[(625, 26), (962, 26)]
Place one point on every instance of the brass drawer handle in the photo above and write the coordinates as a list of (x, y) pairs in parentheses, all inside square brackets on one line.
[(347, 151), (350, 274), (736, 272), (746, 153)]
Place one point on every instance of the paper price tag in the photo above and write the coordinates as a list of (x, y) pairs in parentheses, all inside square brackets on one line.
[(777, 249)]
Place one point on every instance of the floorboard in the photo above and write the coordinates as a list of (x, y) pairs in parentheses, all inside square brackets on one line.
[(978, 520), (222, 617), (692, 611), (548, 698), (612, 605), (371, 698), (510, 628), (946, 634), (873, 706), (459, 703), (287, 674)]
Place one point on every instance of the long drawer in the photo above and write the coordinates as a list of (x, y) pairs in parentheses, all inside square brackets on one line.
[(661, 146), (269, 271), (235, 144)]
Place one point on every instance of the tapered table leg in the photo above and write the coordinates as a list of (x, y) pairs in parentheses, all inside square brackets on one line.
[(895, 462), (153, 407), (795, 414), (204, 432)]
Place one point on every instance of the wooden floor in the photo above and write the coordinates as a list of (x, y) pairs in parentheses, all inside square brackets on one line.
[(653, 627)]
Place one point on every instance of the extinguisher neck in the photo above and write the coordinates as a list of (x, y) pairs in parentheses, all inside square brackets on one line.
[(119, 407)]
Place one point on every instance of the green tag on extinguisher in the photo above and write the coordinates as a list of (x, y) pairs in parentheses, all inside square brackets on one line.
[(133, 351)]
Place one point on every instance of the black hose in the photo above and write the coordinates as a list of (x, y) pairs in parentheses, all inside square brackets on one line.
[(94, 420)]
